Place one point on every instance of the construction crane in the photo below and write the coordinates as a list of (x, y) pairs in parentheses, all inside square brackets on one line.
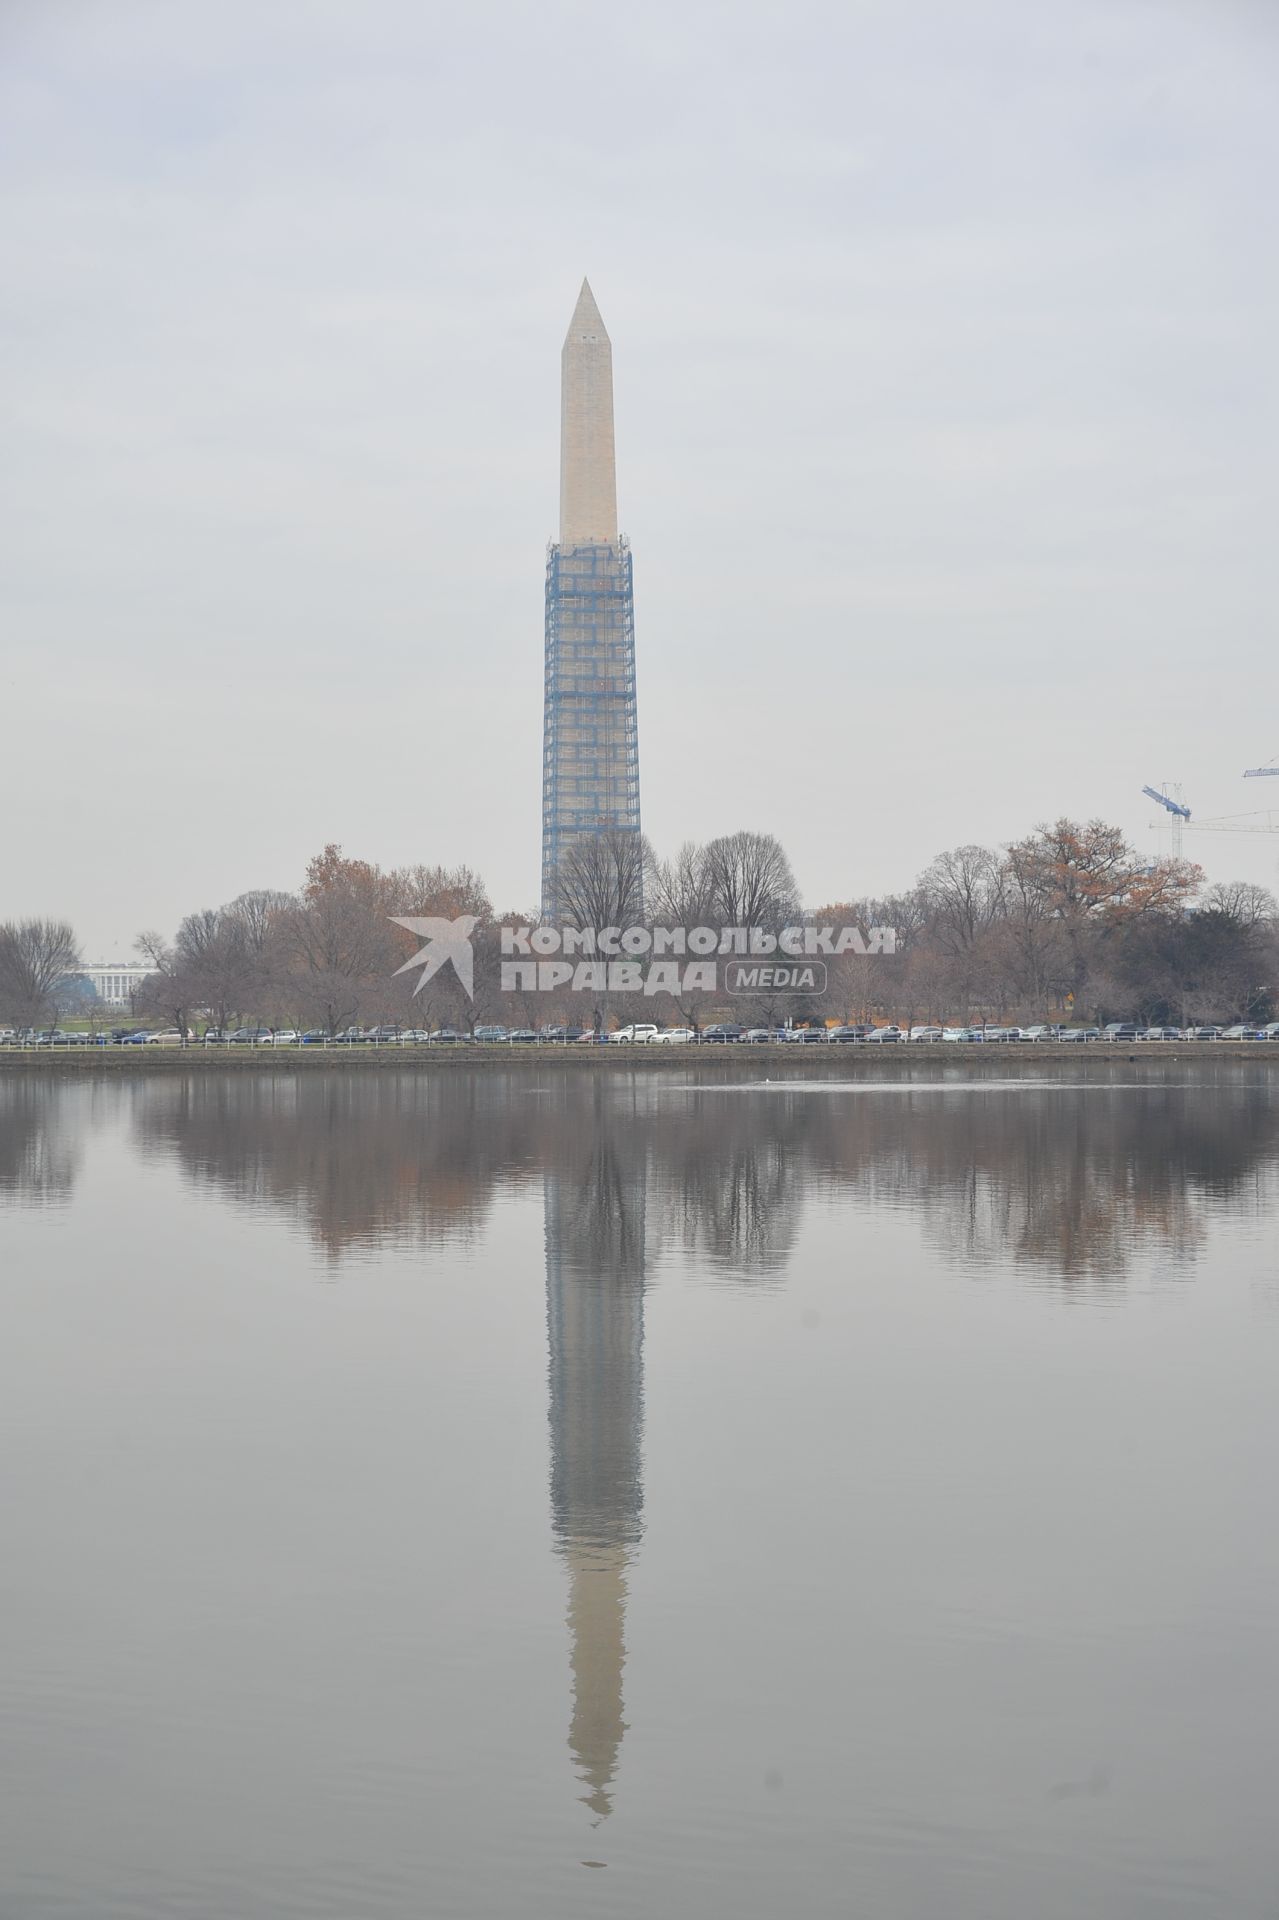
[(1259, 822), (1179, 813), (1260, 773)]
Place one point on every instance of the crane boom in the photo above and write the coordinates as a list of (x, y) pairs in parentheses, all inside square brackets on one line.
[(1260, 822), (1173, 806)]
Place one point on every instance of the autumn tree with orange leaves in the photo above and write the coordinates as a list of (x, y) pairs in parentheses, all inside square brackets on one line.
[(1073, 888)]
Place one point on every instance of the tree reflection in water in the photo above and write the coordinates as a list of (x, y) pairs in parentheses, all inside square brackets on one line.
[(42, 1129)]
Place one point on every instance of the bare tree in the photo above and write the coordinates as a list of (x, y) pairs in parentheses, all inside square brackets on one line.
[(35, 958), (682, 894), (1247, 905), (601, 879), (166, 989), (962, 895), (749, 881)]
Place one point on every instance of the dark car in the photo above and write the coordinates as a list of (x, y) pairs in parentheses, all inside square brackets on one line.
[(1121, 1030), (719, 1035), (838, 1035)]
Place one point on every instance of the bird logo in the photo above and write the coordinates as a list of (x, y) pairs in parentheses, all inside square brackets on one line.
[(445, 940)]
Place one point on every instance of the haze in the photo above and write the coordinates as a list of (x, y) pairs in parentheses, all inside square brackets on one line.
[(944, 356)]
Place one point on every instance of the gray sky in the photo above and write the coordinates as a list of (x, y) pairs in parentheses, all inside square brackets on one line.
[(946, 408)]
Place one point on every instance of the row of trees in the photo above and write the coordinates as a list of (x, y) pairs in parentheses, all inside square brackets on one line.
[(1071, 919), (324, 959)]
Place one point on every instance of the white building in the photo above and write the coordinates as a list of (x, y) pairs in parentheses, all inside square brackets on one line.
[(115, 983)]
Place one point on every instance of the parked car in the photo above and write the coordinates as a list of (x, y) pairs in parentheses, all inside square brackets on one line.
[(843, 1036), (591, 1039), (1161, 1033), (1036, 1034), (674, 1037), (490, 1033), (926, 1034), (1203, 1033), (519, 1037), (1001, 1034), (1120, 1030), (809, 1036), (1242, 1032), (884, 1034), (635, 1034), (1271, 1030), (720, 1035)]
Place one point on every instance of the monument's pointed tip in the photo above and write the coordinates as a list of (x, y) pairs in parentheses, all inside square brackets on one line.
[(587, 318)]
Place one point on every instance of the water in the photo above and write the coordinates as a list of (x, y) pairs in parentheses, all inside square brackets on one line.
[(565, 1494)]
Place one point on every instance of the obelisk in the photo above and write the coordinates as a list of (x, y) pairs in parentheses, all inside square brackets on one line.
[(588, 467), (590, 754)]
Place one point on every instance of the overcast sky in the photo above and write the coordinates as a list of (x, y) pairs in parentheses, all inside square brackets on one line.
[(944, 347)]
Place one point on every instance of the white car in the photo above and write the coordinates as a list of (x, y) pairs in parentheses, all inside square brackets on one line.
[(635, 1034), (674, 1037), (1039, 1033), (926, 1033)]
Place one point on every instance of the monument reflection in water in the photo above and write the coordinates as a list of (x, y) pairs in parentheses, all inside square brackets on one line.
[(595, 1323)]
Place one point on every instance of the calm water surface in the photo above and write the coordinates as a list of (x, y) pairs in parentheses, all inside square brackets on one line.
[(517, 1494)]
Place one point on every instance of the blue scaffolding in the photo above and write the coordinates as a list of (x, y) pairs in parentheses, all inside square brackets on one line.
[(590, 747)]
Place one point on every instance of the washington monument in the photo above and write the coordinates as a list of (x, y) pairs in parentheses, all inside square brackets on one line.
[(590, 753)]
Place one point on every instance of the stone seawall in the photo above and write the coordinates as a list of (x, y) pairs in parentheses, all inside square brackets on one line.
[(821, 1061)]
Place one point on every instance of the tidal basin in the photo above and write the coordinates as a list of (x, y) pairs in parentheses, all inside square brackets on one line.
[(512, 1492)]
